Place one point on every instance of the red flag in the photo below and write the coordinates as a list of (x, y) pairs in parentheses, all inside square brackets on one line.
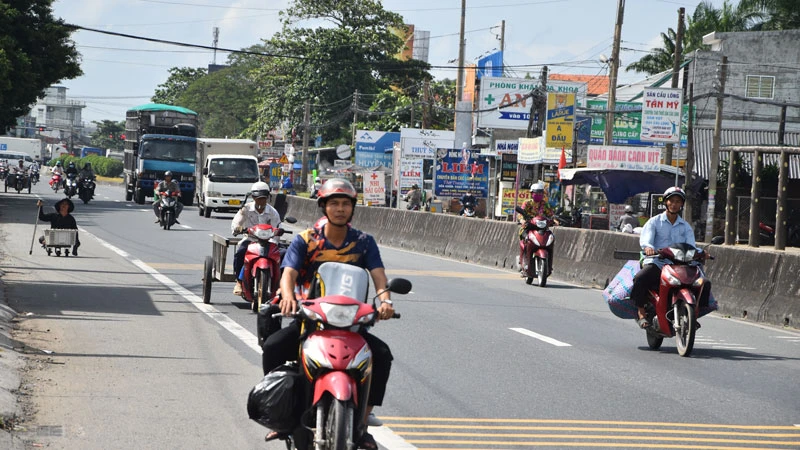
[(562, 163)]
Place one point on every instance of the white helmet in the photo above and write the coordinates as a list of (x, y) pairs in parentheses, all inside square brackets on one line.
[(537, 187), (628, 208), (260, 189)]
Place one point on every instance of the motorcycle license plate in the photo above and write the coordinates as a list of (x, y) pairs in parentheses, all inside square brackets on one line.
[(234, 201)]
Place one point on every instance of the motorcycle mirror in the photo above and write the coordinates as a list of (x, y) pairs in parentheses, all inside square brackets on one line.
[(290, 219), (716, 240), (399, 286)]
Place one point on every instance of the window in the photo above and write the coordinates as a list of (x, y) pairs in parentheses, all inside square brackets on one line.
[(760, 86)]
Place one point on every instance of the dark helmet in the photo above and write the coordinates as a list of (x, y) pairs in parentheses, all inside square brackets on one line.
[(336, 187), (71, 165), (259, 189), (675, 190), (87, 166), (168, 174)]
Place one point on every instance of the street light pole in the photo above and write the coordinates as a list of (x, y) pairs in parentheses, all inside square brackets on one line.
[(460, 75)]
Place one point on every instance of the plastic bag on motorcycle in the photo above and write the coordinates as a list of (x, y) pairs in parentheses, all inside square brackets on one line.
[(275, 401), (618, 294)]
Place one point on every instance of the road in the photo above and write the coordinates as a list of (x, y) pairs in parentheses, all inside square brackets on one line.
[(127, 356)]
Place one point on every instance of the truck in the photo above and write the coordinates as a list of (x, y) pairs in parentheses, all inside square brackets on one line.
[(21, 146), (159, 138), (226, 168), (86, 151)]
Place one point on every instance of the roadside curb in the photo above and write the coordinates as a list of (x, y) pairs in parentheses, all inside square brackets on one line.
[(11, 364)]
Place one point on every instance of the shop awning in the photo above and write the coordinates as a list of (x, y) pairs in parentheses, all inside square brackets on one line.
[(618, 185)]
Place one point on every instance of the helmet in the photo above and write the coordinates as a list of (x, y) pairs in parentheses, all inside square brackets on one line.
[(675, 190), (58, 164), (316, 180), (168, 173), (88, 165), (259, 189), (628, 208), (336, 187), (71, 165), (537, 187)]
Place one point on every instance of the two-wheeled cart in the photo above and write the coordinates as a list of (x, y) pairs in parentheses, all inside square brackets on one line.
[(55, 240), (214, 265)]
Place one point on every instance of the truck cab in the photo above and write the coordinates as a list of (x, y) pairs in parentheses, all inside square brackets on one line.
[(226, 170)]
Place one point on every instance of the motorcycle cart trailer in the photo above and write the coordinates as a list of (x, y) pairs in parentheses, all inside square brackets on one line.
[(56, 240), (214, 265)]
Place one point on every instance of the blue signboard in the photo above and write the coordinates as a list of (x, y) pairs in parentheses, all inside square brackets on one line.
[(374, 148), (490, 66), (460, 171)]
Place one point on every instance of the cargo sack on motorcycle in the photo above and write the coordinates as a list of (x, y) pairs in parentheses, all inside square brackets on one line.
[(618, 294), (274, 401)]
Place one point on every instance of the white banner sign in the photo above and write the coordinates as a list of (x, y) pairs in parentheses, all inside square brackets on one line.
[(644, 159), (419, 143), (530, 150), (506, 102), (506, 147), (410, 174), (661, 115), (374, 189)]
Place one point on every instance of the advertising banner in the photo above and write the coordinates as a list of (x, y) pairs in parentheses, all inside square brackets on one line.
[(506, 147), (507, 200), (508, 167), (644, 159), (410, 174), (560, 119), (374, 148), (490, 65), (530, 150), (627, 127), (661, 115), (460, 171), (506, 102), (374, 189), (421, 143)]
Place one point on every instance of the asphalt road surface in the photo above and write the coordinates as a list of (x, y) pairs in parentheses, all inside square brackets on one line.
[(124, 354)]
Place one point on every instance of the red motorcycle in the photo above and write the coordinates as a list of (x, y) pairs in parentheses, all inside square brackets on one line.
[(673, 309), (262, 263), (55, 182), (335, 358), (534, 248)]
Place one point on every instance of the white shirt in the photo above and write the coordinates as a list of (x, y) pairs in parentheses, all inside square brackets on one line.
[(247, 216)]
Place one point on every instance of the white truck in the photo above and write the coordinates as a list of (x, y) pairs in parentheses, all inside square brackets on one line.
[(226, 168), (13, 149)]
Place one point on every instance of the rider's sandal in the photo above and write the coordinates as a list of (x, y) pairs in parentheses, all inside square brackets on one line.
[(367, 442), (275, 435)]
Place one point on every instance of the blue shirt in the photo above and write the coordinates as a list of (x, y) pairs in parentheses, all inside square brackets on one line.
[(309, 249), (658, 233)]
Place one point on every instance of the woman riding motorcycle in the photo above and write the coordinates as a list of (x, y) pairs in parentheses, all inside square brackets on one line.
[(537, 205)]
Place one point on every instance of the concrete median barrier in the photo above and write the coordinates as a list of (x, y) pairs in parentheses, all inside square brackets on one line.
[(759, 284)]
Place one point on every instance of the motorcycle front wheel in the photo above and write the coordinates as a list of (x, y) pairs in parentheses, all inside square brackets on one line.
[(541, 271), (685, 329), (167, 221), (338, 429), (261, 290)]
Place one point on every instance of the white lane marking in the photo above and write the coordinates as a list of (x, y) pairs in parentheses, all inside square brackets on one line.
[(541, 337), (118, 201), (223, 320), (185, 226), (385, 436), (728, 347)]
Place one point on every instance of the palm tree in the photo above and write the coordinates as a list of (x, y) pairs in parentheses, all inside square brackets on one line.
[(659, 59), (776, 14)]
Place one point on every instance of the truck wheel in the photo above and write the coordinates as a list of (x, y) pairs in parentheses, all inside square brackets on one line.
[(187, 199), (207, 213), (139, 196), (128, 195)]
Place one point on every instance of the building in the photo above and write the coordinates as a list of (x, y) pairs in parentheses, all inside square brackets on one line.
[(58, 115)]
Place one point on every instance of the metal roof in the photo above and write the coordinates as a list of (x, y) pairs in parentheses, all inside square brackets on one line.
[(704, 138)]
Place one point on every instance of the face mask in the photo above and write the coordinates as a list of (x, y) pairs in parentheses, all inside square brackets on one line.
[(538, 197)]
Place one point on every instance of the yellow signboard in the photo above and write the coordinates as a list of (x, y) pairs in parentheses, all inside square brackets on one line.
[(560, 119)]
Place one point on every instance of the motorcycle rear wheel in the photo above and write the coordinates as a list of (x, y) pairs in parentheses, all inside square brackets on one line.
[(262, 289), (685, 329)]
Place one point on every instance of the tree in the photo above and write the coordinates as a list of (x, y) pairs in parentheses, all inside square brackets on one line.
[(178, 81), (356, 51), (777, 14), (35, 53), (659, 59), (108, 134)]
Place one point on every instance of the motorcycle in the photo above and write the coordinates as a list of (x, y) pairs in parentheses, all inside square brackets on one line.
[(86, 189), (3, 172), (335, 359), (469, 209), (536, 256), (262, 263), (55, 182), (71, 185), (570, 219), (672, 310), (766, 231), (167, 209), (34, 175), (18, 181)]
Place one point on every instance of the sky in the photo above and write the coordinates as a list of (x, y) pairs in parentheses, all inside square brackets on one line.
[(570, 36)]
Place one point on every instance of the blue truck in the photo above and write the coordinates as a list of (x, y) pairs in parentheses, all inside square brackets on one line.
[(86, 151), (159, 138)]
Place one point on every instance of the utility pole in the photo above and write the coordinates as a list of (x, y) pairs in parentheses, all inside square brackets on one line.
[(460, 75), (306, 132), (355, 115), (688, 169), (502, 46), (426, 90), (538, 107), (714, 166), (676, 66), (612, 76), (783, 177)]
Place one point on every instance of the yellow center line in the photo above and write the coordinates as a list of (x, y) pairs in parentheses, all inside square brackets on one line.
[(587, 422), (603, 437), (614, 430)]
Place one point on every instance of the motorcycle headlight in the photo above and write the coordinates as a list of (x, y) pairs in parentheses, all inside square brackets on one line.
[(541, 223), (340, 316), (698, 282), (673, 281), (311, 314), (264, 234)]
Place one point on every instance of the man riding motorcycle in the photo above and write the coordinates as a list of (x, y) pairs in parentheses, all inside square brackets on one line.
[(87, 173), (628, 219), (414, 198), (468, 199), (336, 241), (537, 205), (253, 213), (659, 232), (169, 186)]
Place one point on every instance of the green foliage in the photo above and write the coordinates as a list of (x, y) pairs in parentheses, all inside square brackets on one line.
[(777, 14), (108, 135), (178, 81), (102, 166), (35, 52), (659, 59)]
